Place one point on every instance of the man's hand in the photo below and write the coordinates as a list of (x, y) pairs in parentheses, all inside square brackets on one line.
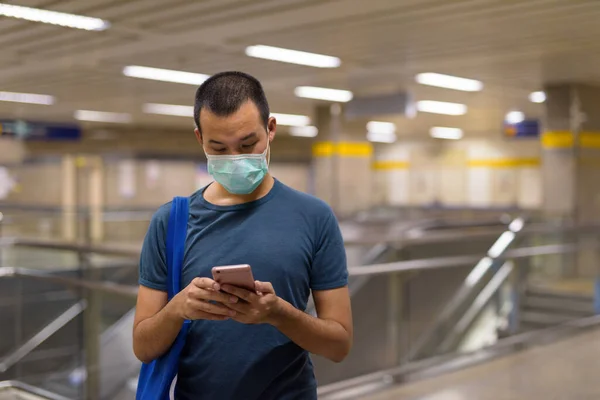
[(193, 302), (257, 307)]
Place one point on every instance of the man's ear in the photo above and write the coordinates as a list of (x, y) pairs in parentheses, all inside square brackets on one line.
[(272, 128), (198, 136)]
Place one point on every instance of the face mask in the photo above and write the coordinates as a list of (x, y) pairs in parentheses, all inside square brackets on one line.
[(239, 174)]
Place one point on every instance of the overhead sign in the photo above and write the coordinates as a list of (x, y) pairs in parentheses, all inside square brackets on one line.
[(525, 129), (389, 104), (27, 130)]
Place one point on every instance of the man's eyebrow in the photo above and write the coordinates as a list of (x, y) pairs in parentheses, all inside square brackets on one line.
[(248, 136)]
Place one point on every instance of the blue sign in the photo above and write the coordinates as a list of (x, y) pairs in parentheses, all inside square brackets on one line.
[(27, 130), (525, 129)]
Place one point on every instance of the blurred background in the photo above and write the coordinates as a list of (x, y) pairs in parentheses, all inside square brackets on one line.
[(457, 141)]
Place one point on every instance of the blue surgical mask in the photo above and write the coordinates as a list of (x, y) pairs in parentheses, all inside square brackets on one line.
[(239, 174)]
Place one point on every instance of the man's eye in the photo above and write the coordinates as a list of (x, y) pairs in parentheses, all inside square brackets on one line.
[(219, 150), (248, 146)]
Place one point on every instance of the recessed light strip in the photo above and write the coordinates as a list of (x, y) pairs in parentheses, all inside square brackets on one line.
[(291, 119), (304, 131), (449, 82), (537, 97), (54, 17), (102, 116), (293, 56), (29, 98), (515, 117), (319, 93), (441, 132), (168, 109), (440, 107), (381, 137), (381, 127), (165, 75)]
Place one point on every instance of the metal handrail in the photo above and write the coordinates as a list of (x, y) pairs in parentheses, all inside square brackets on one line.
[(103, 286), (30, 390), (36, 340), (375, 269)]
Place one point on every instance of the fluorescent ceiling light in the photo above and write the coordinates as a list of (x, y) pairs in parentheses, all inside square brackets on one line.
[(54, 18), (381, 137), (291, 119), (381, 127), (537, 97), (304, 131), (311, 92), (29, 98), (293, 56), (441, 132), (449, 82), (441, 107), (169, 109), (102, 116), (515, 117), (165, 75)]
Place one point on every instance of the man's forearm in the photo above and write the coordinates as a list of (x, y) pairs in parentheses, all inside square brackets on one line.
[(326, 338), (152, 337)]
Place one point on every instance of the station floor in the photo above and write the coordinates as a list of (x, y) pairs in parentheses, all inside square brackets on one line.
[(565, 370)]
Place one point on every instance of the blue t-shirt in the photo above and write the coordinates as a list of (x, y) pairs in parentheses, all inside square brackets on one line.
[(290, 239)]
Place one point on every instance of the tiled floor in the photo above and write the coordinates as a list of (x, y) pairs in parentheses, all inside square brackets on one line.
[(565, 370)]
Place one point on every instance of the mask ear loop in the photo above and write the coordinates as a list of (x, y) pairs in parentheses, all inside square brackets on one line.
[(268, 150)]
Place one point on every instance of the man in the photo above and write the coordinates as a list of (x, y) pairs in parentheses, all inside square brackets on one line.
[(242, 344)]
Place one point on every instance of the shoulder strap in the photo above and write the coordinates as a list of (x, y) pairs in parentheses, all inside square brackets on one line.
[(176, 236)]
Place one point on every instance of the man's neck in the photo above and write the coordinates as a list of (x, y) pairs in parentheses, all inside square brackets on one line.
[(216, 194)]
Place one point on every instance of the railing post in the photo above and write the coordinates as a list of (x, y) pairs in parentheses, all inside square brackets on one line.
[(1, 247), (394, 317), (92, 314)]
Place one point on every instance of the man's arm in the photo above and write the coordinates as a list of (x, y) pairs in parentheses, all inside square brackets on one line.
[(328, 335), (155, 326), (157, 322)]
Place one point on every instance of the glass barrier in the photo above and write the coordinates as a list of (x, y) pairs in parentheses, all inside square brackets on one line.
[(419, 301)]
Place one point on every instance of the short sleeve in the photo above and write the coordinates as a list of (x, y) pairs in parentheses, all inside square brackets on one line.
[(329, 267), (153, 265)]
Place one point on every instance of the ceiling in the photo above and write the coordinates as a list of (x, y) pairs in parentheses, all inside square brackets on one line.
[(513, 46)]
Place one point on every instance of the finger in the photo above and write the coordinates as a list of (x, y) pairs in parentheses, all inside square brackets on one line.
[(207, 316), (264, 287), (208, 294), (206, 283), (209, 308), (240, 308), (239, 292)]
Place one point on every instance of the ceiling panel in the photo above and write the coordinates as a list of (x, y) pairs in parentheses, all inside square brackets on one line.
[(512, 46)]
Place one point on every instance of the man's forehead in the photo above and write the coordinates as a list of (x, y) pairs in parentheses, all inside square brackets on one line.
[(244, 118)]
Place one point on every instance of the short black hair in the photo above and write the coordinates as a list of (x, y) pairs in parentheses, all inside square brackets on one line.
[(224, 93)]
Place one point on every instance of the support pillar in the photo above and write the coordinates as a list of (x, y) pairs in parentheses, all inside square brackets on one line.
[(571, 163), (342, 160), (69, 197), (96, 199)]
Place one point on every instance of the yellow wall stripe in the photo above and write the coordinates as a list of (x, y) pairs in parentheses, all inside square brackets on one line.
[(390, 165), (566, 139), (342, 149), (505, 163), (558, 140), (589, 140)]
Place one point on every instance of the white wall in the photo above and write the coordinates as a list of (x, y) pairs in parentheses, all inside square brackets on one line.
[(471, 173)]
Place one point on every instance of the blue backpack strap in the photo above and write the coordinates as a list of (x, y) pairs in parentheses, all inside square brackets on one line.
[(176, 236), (156, 377)]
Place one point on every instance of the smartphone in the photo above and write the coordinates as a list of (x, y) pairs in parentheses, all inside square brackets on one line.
[(235, 275)]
